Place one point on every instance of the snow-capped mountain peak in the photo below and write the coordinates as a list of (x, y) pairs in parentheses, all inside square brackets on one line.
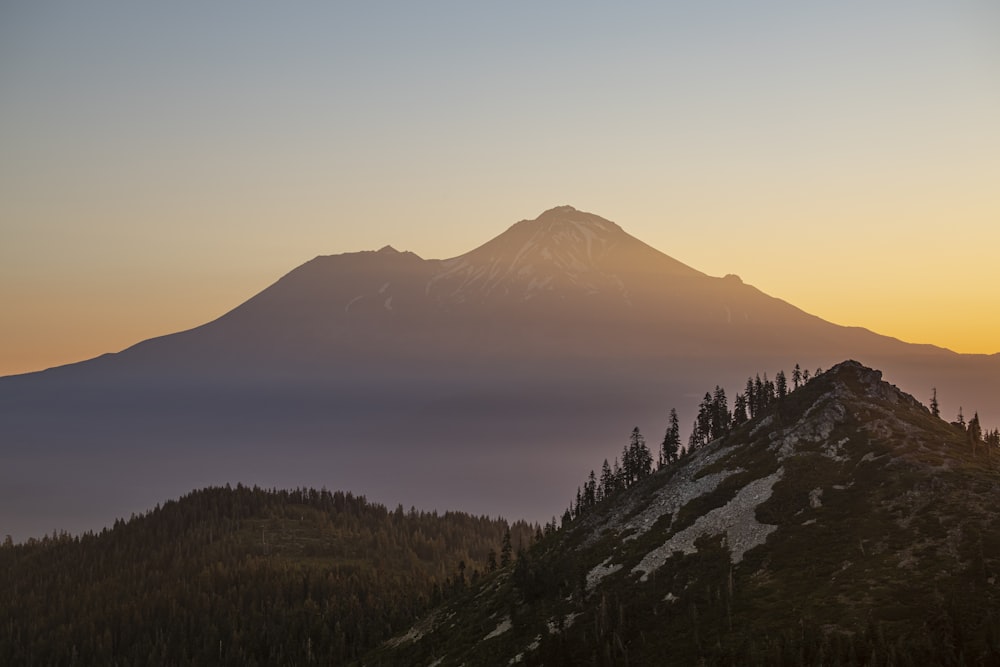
[(562, 249)]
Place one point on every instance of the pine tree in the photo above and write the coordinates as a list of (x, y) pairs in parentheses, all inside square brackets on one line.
[(642, 458), (703, 422), (694, 440), (628, 467), (505, 548), (781, 385), (670, 449), (759, 399), (608, 480), (590, 491), (796, 377), (935, 408), (975, 432), (751, 394), (637, 459), (739, 410), (721, 418), (770, 394), (491, 561), (992, 441)]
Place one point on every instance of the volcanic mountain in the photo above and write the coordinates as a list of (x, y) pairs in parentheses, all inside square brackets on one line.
[(471, 382), (842, 525)]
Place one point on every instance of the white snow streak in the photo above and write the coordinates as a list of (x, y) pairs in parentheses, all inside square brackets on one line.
[(353, 301)]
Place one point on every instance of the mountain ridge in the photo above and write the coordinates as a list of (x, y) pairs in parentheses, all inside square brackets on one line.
[(238, 576), (356, 363), (845, 524)]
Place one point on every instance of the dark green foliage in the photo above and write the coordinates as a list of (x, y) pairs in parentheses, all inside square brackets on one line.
[(739, 410), (505, 548), (237, 576), (780, 385), (590, 490), (714, 421), (671, 447), (608, 483), (885, 551), (638, 463)]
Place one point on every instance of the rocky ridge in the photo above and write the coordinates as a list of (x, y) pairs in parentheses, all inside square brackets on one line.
[(846, 520)]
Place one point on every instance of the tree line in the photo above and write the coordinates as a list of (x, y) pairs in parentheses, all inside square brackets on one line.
[(978, 437), (240, 576), (715, 419)]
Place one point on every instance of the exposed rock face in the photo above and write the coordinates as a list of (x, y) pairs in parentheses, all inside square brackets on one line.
[(736, 520), (845, 511)]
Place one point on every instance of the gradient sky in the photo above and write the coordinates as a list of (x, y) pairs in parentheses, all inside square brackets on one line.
[(162, 162)]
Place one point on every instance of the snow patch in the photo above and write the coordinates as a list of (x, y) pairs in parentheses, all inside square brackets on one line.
[(388, 303), (353, 301), (383, 288)]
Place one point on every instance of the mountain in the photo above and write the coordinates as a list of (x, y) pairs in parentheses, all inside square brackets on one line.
[(843, 525), (474, 382), (237, 576)]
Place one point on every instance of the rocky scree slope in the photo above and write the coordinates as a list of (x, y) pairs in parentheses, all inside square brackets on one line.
[(846, 525)]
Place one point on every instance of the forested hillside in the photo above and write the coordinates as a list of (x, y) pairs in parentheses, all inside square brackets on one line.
[(842, 523), (238, 576)]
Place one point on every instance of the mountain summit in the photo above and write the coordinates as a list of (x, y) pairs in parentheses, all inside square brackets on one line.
[(561, 251), (442, 383), (845, 524)]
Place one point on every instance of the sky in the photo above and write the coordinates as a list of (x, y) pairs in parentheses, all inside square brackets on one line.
[(160, 163)]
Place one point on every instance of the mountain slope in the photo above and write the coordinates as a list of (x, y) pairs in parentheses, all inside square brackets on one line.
[(237, 576), (562, 251), (846, 525), (424, 381)]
